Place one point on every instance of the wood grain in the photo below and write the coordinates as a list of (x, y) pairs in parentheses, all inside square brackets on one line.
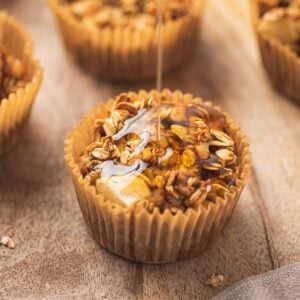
[(55, 256)]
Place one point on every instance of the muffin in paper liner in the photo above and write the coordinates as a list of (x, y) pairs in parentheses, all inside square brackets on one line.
[(281, 63), (137, 234), (15, 109), (121, 53)]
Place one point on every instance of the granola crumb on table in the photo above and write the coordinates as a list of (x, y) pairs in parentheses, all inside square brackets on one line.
[(193, 163), (215, 281), (7, 242)]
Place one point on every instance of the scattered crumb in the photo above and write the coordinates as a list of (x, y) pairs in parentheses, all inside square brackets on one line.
[(7, 242), (103, 295), (216, 280)]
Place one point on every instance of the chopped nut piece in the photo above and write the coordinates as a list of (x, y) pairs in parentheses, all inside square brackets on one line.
[(226, 155), (221, 139), (138, 187), (218, 188), (159, 181), (109, 127), (100, 154), (202, 150), (215, 280), (165, 112), (93, 177), (178, 114), (199, 130), (124, 157), (188, 158), (147, 154), (126, 106), (179, 131), (212, 163)]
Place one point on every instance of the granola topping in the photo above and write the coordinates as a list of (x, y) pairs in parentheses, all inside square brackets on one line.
[(281, 19), (12, 74), (137, 14), (192, 164)]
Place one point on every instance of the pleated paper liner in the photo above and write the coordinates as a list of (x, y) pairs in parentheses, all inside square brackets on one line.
[(15, 110), (121, 53), (280, 62), (133, 232)]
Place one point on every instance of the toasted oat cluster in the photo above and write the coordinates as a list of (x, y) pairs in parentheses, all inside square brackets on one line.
[(281, 19), (136, 14), (12, 74), (192, 163)]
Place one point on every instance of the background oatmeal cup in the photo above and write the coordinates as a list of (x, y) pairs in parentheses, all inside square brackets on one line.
[(18, 95), (124, 51), (279, 39)]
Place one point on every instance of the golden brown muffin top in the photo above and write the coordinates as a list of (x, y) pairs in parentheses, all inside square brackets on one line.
[(131, 13), (12, 74), (193, 162), (281, 19)]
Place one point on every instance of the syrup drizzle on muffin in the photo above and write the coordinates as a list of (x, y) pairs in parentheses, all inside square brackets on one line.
[(193, 163)]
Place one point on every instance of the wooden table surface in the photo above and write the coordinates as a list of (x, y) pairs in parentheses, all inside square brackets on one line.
[(55, 256)]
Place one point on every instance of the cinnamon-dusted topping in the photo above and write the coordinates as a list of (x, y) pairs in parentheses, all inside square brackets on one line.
[(133, 13), (281, 19), (193, 163), (12, 74)]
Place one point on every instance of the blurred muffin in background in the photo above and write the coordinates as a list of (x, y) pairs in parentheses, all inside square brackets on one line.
[(117, 39), (12, 74), (20, 78), (277, 23)]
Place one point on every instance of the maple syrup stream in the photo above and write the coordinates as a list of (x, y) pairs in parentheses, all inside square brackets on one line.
[(159, 62), (119, 178)]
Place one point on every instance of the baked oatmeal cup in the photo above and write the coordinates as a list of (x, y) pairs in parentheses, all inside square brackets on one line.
[(277, 24), (118, 39), (20, 78), (157, 202)]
